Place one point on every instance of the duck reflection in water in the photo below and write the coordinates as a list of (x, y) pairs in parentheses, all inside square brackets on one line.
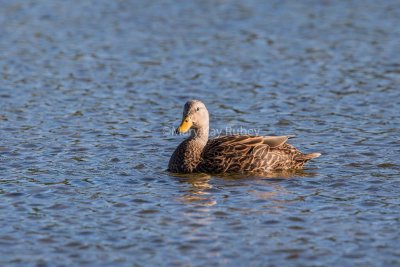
[(201, 189)]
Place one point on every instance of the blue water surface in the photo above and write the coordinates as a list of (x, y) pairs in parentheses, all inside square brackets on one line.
[(89, 93)]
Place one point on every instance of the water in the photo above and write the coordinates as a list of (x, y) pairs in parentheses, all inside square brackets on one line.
[(90, 89)]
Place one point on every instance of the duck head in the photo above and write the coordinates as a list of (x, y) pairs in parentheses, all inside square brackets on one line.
[(195, 116)]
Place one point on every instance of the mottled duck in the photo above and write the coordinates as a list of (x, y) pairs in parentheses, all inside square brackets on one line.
[(230, 153)]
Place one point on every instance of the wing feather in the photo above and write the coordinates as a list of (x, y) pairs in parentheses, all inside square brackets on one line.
[(240, 153)]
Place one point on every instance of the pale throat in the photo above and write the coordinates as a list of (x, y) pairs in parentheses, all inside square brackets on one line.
[(200, 134)]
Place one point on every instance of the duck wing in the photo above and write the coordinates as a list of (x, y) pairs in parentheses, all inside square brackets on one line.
[(245, 153)]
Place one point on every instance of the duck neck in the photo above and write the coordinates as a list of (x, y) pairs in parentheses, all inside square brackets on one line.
[(200, 135)]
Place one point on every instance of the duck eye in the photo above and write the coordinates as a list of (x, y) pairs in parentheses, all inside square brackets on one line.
[(197, 109)]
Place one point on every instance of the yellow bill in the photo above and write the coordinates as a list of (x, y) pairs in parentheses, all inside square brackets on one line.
[(185, 125)]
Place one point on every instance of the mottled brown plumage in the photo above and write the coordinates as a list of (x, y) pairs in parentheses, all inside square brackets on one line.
[(231, 153)]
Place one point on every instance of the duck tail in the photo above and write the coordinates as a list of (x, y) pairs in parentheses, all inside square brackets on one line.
[(307, 157)]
